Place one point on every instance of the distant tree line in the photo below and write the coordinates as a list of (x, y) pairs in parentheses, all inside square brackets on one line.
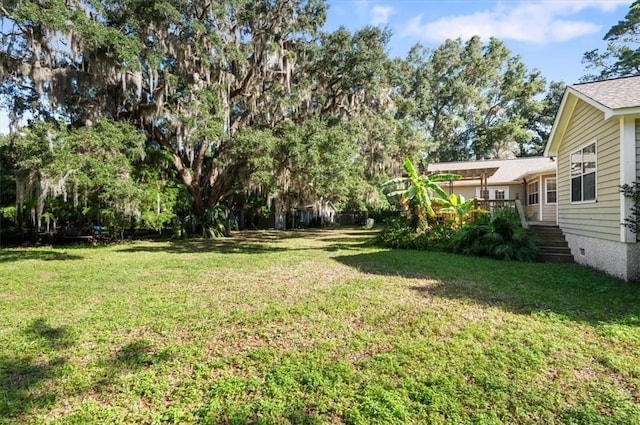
[(158, 114)]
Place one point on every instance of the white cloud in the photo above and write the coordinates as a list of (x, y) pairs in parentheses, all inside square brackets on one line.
[(567, 30), (380, 15), (533, 22)]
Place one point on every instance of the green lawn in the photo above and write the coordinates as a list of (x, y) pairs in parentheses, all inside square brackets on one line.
[(310, 327)]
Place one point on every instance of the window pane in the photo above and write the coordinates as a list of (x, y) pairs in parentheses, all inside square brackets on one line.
[(576, 189), (551, 189), (533, 193), (590, 149), (551, 197), (589, 182), (583, 174), (576, 163), (589, 159)]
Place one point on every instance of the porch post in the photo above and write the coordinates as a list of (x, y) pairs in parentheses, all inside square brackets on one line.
[(483, 186), (541, 190)]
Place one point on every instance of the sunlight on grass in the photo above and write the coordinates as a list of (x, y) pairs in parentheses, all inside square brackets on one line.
[(310, 327)]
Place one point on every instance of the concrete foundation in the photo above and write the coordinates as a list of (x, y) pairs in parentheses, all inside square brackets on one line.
[(615, 258)]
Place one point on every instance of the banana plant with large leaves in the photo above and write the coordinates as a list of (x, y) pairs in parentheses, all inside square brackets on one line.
[(417, 191), (459, 206)]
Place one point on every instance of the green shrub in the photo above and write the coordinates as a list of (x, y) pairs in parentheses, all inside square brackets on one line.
[(216, 222), (501, 237), (397, 233), (436, 238), (400, 233), (632, 191)]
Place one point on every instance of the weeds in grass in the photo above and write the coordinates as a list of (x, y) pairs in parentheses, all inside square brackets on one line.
[(309, 328)]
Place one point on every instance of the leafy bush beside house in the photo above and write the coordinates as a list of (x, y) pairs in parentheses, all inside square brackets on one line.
[(632, 191), (465, 230), (500, 236)]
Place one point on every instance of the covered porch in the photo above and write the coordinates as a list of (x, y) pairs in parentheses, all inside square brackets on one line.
[(529, 196)]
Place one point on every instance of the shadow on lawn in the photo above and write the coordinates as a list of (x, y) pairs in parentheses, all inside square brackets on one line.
[(130, 358), (25, 377), (261, 242), (28, 380), (10, 255), (571, 291), (196, 246)]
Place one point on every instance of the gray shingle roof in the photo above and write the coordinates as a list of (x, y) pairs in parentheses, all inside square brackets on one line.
[(508, 170), (614, 94)]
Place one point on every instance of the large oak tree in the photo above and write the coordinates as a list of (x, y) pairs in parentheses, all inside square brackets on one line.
[(200, 78)]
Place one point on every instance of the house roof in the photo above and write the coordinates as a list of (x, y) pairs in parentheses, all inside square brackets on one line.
[(497, 171), (616, 97), (613, 94)]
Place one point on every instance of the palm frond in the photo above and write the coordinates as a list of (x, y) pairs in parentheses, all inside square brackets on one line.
[(396, 193), (394, 181)]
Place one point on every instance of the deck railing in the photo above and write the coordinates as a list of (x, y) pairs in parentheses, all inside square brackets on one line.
[(492, 204)]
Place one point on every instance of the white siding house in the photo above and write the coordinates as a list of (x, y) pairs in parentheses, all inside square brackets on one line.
[(594, 141)]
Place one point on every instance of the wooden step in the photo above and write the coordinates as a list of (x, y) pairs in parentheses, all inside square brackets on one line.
[(546, 231), (554, 258), (552, 244), (555, 249)]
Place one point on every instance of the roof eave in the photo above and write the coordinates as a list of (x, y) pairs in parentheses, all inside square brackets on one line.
[(622, 112), (569, 101), (559, 123)]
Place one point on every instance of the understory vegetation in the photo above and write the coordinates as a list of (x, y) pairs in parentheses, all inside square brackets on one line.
[(309, 328), (498, 235), (458, 226)]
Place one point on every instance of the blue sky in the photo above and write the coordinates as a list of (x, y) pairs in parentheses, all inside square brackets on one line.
[(550, 35)]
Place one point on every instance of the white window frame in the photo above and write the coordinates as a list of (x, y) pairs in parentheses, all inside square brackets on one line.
[(546, 190), (593, 142), (530, 192), (492, 192)]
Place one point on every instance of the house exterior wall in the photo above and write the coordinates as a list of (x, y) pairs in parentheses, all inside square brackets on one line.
[(548, 209), (601, 218), (638, 149), (542, 211), (638, 162), (471, 191), (592, 228), (467, 191)]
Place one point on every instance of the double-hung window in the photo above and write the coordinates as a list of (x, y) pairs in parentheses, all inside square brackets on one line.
[(551, 190), (533, 189), (583, 174)]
